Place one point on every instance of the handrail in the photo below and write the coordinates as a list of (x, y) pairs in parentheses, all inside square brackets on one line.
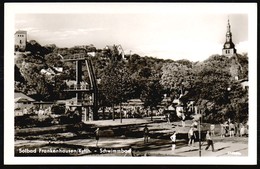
[(81, 102), (77, 56), (79, 87)]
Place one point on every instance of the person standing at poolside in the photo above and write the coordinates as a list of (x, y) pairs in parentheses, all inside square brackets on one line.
[(146, 134), (173, 138), (97, 136), (209, 142), (212, 129), (222, 131), (191, 136), (231, 129)]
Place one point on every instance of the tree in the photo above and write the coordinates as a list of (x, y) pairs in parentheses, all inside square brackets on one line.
[(222, 94), (176, 78), (37, 50), (212, 79), (152, 94), (18, 76)]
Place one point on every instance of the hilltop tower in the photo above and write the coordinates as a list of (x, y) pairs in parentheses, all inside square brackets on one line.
[(20, 40), (229, 47)]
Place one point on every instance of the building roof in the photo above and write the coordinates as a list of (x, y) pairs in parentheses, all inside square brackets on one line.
[(20, 97), (21, 32), (74, 99)]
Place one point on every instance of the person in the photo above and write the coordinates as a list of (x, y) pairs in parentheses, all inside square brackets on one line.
[(191, 136), (168, 118), (247, 128), (209, 141), (97, 136), (183, 120), (173, 139), (212, 130), (236, 129), (231, 129), (125, 113), (222, 130), (146, 134), (194, 124), (242, 130), (226, 124)]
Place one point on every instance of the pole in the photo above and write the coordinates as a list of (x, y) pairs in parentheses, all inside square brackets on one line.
[(120, 113), (113, 113), (199, 134), (121, 96)]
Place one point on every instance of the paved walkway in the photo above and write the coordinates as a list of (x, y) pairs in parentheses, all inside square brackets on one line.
[(117, 122), (221, 149), (155, 147)]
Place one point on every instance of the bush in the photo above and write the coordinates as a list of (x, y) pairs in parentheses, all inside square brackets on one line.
[(28, 120), (25, 121), (58, 109)]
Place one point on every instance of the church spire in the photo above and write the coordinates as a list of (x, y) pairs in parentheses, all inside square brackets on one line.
[(229, 30), (228, 26), (229, 47)]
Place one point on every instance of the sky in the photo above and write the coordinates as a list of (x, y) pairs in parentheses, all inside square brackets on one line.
[(160, 31)]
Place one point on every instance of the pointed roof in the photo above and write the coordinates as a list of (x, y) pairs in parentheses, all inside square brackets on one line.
[(229, 43), (228, 28), (20, 97)]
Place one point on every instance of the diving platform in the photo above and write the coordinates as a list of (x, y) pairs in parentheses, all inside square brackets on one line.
[(76, 57), (81, 88)]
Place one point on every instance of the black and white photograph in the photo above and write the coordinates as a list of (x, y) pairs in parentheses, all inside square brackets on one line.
[(130, 83)]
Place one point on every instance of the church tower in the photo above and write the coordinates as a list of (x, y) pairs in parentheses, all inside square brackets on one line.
[(229, 47)]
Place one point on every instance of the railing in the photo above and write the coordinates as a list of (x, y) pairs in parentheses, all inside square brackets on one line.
[(77, 56), (80, 103), (79, 87)]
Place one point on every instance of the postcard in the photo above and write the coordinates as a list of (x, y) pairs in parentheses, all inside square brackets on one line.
[(130, 83)]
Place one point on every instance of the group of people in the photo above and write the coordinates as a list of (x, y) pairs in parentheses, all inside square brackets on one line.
[(191, 136), (227, 127), (232, 129)]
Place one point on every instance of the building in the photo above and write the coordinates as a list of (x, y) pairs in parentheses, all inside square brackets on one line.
[(20, 40), (22, 103), (119, 48), (51, 71), (228, 47)]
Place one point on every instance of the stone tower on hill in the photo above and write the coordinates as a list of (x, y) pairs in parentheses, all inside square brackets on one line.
[(20, 40)]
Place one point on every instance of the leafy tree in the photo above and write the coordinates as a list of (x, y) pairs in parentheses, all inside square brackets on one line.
[(212, 80), (18, 76), (176, 78), (146, 77), (222, 93), (152, 94), (36, 49)]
